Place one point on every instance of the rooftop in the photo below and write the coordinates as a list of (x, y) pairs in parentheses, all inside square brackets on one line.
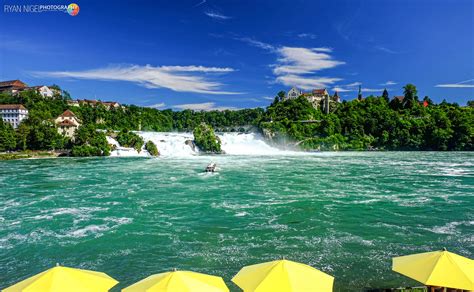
[(67, 123), (12, 106), (319, 91), (12, 83), (68, 113)]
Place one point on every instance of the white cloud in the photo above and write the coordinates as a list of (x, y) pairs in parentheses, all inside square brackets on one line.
[(256, 43), (200, 3), (306, 83), (205, 106), (216, 15), (307, 36), (304, 60), (372, 90), (195, 69), (323, 49), (296, 67), (461, 84), (176, 78), (340, 89), (386, 50), (268, 97), (353, 84), (157, 105), (389, 82), (455, 85)]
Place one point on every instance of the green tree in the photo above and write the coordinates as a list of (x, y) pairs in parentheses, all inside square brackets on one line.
[(22, 133), (151, 148), (130, 139), (7, 137), (385, 95), (206, 140), (88, 141), (410, 91)]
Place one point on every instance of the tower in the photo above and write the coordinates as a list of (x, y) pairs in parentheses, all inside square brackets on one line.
[(359, 96), (326, 104)]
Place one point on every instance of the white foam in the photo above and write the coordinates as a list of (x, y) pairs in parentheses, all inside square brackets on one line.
[(246, 144), (450, 228), (175, 145), (89, 230)]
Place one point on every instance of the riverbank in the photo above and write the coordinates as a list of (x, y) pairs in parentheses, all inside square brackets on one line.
[(31, 154)]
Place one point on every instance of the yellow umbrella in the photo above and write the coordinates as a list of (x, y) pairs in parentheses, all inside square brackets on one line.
[(437, 268), (60, 279), (282, 276), (185, 281)]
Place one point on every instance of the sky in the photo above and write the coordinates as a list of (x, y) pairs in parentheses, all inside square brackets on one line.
[(205, 54)]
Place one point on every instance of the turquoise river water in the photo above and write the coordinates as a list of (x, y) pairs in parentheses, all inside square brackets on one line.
[(345, 213)]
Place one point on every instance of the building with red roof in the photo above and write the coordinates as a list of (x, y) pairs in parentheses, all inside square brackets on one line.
[(67, 123)]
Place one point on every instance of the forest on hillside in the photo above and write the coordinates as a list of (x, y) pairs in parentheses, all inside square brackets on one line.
[(375, 122)]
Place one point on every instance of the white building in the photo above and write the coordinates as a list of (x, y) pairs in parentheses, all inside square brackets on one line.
[(43, 90), (13, 114), (317, 97), (293, 93), (67, 123)]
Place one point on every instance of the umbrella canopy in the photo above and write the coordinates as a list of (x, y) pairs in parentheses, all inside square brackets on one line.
[(437, 268), (282, 276), (60, 279), (179, 281)]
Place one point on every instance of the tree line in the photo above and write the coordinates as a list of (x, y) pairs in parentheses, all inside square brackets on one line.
[(375, 122), (39, 132), (372, 123)]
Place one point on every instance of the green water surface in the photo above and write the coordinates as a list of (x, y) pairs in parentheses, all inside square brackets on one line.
[(346, 214)]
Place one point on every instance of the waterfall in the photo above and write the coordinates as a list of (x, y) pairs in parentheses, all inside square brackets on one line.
[(246, 144), (179, 144)]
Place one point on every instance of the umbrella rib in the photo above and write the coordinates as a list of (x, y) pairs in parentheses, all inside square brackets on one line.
[(272, 268), (461, 271), (434, 267)]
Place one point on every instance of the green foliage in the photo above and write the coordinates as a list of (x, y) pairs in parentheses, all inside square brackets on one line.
[(410, 91), (206, 139), (7, 137), (151, 148), (149, 119), (373, 123), (38, 131), (130, 139), (385, 95), (22, 134), (88, 140), (86, 150)]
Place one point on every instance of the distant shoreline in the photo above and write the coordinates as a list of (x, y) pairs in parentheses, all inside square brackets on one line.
[(40, 154), (30, 154)]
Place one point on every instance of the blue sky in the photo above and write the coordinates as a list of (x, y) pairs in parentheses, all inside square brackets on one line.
[(206, 54)]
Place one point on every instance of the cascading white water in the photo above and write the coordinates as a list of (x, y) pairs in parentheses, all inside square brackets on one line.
[(175, 144), (171, 144), (124, 151), (246, 144)]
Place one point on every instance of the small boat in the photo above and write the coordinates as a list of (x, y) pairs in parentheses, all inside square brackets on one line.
[(211, 167)]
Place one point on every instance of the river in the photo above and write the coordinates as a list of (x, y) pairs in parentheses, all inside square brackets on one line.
[(345, 213)]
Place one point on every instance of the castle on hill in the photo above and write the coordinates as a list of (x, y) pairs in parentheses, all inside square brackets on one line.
[(319, 98)]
